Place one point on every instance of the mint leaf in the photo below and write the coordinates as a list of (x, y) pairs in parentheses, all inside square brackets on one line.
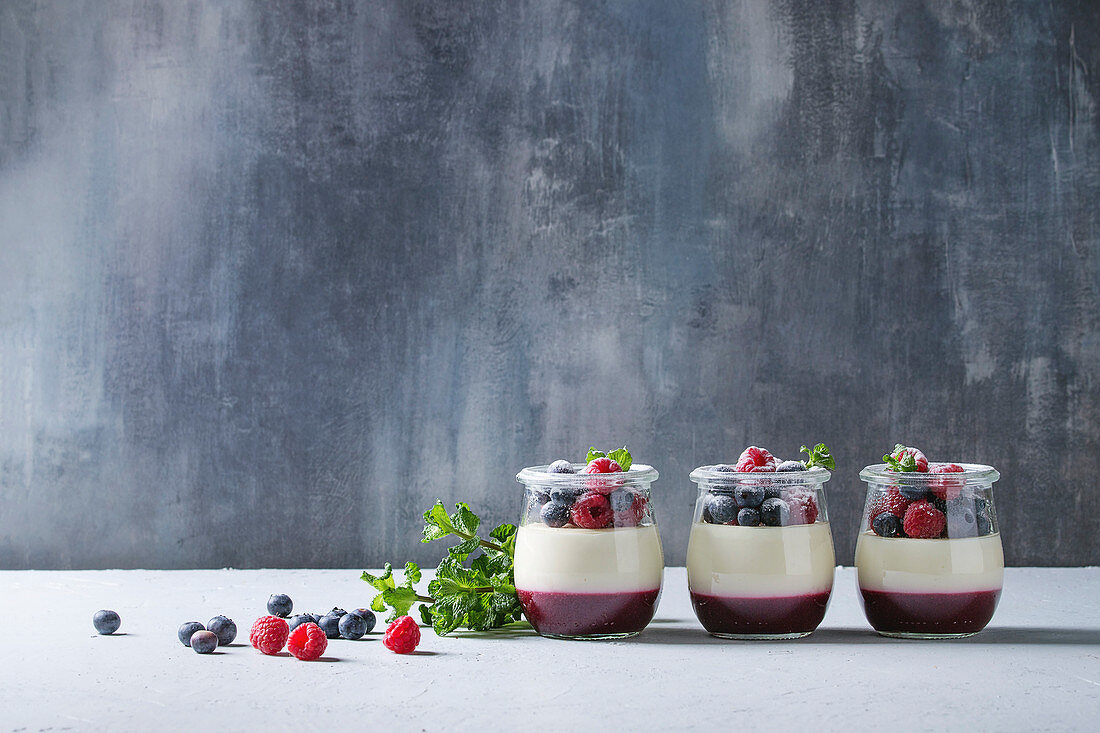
[(437, 523), (906, 464), (412, 572), (464, 521), (383, 581), (819, 456), (398, 598), (622, 457), (505, 534), (593, 454)]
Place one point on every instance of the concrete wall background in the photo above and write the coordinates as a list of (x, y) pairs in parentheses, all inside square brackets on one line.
[(273, 277)]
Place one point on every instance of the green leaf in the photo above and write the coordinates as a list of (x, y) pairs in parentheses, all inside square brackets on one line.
[(465, 548), (906, 464), (412, 573), (383, 581), (593, 454), (378, 604), (426, 614), (622, 457), (465, 521), (437, 524), (505, 535), (400, 600), (819, 456)]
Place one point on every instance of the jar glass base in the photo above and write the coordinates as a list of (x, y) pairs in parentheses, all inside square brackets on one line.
[(926, 637), (592, 637), (761, 637)]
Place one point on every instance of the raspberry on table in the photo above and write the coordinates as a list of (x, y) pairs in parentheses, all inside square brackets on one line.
[(307, 642), (592, 511), (402, 635), (755, 460), (269, 634), (923, 521)]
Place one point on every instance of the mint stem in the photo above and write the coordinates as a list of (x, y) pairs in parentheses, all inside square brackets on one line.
[(424, 599)]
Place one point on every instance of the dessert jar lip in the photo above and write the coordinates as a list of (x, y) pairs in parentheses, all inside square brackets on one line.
[(708, 478), (973, 474), (639, 475)]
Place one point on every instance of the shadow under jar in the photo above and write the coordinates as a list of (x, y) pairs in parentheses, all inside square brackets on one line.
[(937, 584), (588, 560), (760, 556)]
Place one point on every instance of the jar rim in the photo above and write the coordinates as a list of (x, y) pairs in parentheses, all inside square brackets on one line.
[(972, 474), (639, 473), (708, 475)]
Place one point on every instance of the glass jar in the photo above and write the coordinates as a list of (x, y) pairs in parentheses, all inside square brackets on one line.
[(588, 560), (760, 556), (929, 561)]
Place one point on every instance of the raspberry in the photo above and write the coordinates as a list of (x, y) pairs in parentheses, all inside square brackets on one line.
[(269, 634), (923, 521), (803, 507), (946, 488), (891, 501), (592, 511), (307, 642), (918, 456), (402, 635), (755, 460), (632, 515), (602, 465)]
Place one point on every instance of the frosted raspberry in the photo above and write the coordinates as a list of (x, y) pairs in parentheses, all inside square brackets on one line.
[(755, 460), (890, 501), (602, 465), (918, 457), (946, 488), (307, 642), (269, 634), (592, 511), (923, 521), (803, 507), (402, 635)]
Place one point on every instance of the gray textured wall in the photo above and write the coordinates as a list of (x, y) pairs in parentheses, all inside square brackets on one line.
[(273, 277)]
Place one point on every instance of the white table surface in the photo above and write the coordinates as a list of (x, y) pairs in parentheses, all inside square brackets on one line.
[(1037, 666)]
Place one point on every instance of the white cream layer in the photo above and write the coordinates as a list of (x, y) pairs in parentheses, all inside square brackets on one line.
[(575, 560), (760, 562), (909, 565)]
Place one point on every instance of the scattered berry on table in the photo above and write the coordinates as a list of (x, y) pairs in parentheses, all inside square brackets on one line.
[(564, 494), (269, 634), (923, 521), (748, 517), (886, 524), (719, 509), (301, 618), (787, 466), (279, 605), (315, 616), (368, 616), (352, 626), (602, 465), (203, 642), (307, 642), (555, 514), (330, 624), (803, 507), (106, 622), (592, 511), (186, 630), (750, 496), (402, 636), (224, 628), (775, 513), (755, 460), (561, 466)]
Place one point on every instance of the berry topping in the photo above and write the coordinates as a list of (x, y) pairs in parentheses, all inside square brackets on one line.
[(204, 642), (186, 630), (755, 460), (269, 634), (775, 513), (592, 511), (725, 468), (225, 629), (961, 519), (750, 496), (560, 466), (906, 460), (621, 499), (307, 642), (923, 521), (565, 494), (403, 635), (946, 488), (632, 515), (748, 517), (352, 626), (803, 507), (890, 501), (106, 622), (602, 465), (719, 509), (279, 605), (555, 514), (787, 466), (886, 525)]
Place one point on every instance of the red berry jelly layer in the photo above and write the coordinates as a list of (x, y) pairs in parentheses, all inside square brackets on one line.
[(585, 614), (777, 615), (929, 613)]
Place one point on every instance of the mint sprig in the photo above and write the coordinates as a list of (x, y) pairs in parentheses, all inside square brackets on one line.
[(479, 596), (619, 455), (906, 464), (819, 455)]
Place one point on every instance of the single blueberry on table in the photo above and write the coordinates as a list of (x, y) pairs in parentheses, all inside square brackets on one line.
[(279, 605), (886, 525), (352, 626), (224, 628), (330, 624), (787, 466), (203, 642), (106, 622), (565, 495), (560, 466), (186, 630), (622, 500), (719, 509), (368, 616), (775, 513), (749, 496), (555, 514), (748, 517)]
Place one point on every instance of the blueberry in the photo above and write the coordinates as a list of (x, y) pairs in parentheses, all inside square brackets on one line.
[(775, 513), (786, 466), (622, 500), (560, 466), (106, 622), (913, 493), (315, 617), (564, 495), (352, 626), (330, 624), (336, 611), (301, 618), (535, 502), (749, 496), (938, 503), (186, 630), (225, 629), (203, 642), (983, 513), (886, 525), (773, 492), (555, 514), (725, 468), (279, 605), (961, 520), (368, 616), (748, 517), (719, 509)]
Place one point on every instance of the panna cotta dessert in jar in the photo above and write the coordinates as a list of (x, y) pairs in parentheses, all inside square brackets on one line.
[(929, 560), (760, 556), (588, 560)]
